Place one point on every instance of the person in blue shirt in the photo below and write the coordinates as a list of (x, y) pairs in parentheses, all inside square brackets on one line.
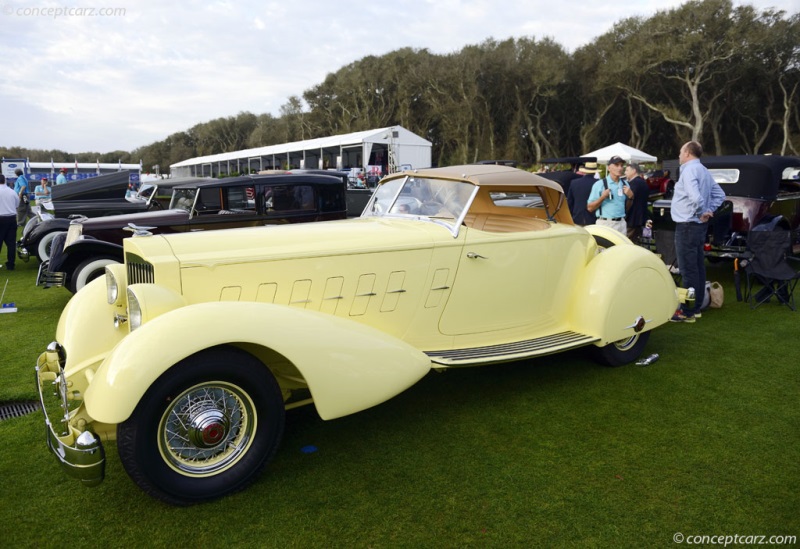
[(21, 188), (61, 178), (42, 191), (694, 201), (609, 195)]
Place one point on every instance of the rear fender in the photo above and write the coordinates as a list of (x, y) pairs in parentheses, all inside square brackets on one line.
[(619, 285), (347, 366), (607, 237)]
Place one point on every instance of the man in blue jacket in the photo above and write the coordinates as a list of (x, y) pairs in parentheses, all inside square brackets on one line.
[(694, 201), (21, 188)]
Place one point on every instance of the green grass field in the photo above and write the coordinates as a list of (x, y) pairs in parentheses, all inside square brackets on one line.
[(557, 451)]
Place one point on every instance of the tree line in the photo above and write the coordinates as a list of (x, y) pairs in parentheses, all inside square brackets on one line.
[(727, 76)]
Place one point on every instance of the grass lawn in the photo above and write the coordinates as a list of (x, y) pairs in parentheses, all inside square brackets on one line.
[(556, 451)]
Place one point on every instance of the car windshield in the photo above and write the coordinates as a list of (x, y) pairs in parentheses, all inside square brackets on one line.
[(182, 199), (145, 191), (421, 197)]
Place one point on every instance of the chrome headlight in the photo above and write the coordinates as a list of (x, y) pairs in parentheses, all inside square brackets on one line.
[(112, 288), (134, 311), (115, 284)]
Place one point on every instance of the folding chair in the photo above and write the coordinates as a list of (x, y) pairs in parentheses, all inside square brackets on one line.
[(769, 271), (665, 248)]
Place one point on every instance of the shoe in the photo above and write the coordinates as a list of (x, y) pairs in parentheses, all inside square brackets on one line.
[(680, 317), (698, 315)]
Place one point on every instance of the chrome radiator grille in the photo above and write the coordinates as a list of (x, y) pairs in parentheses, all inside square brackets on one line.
[(139, 270)]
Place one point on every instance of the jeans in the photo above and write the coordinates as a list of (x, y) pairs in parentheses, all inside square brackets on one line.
[(689, 240)]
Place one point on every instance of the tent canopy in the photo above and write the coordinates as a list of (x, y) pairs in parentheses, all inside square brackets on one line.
[(629, 154)]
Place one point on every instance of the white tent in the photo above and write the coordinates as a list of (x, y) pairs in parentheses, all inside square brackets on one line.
[(629, 154), (337, 151)]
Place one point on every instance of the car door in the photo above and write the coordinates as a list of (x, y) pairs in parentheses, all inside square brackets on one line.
[(502, 283)]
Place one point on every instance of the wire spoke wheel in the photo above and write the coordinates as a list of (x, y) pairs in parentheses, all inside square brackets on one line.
[(204, 429), (207, 428)]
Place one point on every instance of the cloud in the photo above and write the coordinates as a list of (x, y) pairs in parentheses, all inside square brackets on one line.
[(129, 77)]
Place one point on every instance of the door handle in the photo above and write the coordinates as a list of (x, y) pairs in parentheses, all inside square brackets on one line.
[(473, 255)]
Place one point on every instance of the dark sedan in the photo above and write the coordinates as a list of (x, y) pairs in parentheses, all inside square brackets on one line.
[(82, 253)]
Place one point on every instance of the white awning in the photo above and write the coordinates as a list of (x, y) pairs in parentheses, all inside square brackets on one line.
[(627, 153)]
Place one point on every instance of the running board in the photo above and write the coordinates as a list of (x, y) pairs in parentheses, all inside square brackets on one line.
[(516, 350)]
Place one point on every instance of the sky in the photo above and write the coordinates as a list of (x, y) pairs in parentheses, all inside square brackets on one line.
[(107, 75)]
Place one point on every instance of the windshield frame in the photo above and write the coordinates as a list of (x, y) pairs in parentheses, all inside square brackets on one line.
[(378, 202), (173, 202)]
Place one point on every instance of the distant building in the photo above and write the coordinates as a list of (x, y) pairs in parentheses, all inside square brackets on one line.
[(382, 150), (35, 171)]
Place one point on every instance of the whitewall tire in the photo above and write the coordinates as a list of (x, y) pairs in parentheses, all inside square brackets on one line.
[(43, 248), (88, 271)]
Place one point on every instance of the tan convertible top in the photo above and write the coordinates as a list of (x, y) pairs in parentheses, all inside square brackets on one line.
[(485, 175)]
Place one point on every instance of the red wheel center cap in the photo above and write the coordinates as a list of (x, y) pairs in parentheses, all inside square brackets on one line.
[(213, 433)]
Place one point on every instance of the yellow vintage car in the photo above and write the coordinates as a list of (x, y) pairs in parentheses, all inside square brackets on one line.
[(189, 353)]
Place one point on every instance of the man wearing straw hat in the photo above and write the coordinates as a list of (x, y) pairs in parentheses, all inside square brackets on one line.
[(578, 194)]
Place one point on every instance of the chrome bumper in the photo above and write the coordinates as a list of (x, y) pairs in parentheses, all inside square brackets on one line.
[(80, 454), (48, 279), (22, 251)]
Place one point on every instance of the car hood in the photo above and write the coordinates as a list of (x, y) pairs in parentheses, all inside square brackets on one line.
[(157, 218), (112, 185), (304, 240)]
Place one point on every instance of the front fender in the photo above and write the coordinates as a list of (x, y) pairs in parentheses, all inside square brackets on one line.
[(83, 249), (43, 228), (619, 285), (348, 366)]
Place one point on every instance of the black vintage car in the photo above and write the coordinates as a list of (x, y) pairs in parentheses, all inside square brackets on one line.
[(565, 176), (81, 254), (357, 193), (760, 191), (107, 195), (357, 197), (94, 197)]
